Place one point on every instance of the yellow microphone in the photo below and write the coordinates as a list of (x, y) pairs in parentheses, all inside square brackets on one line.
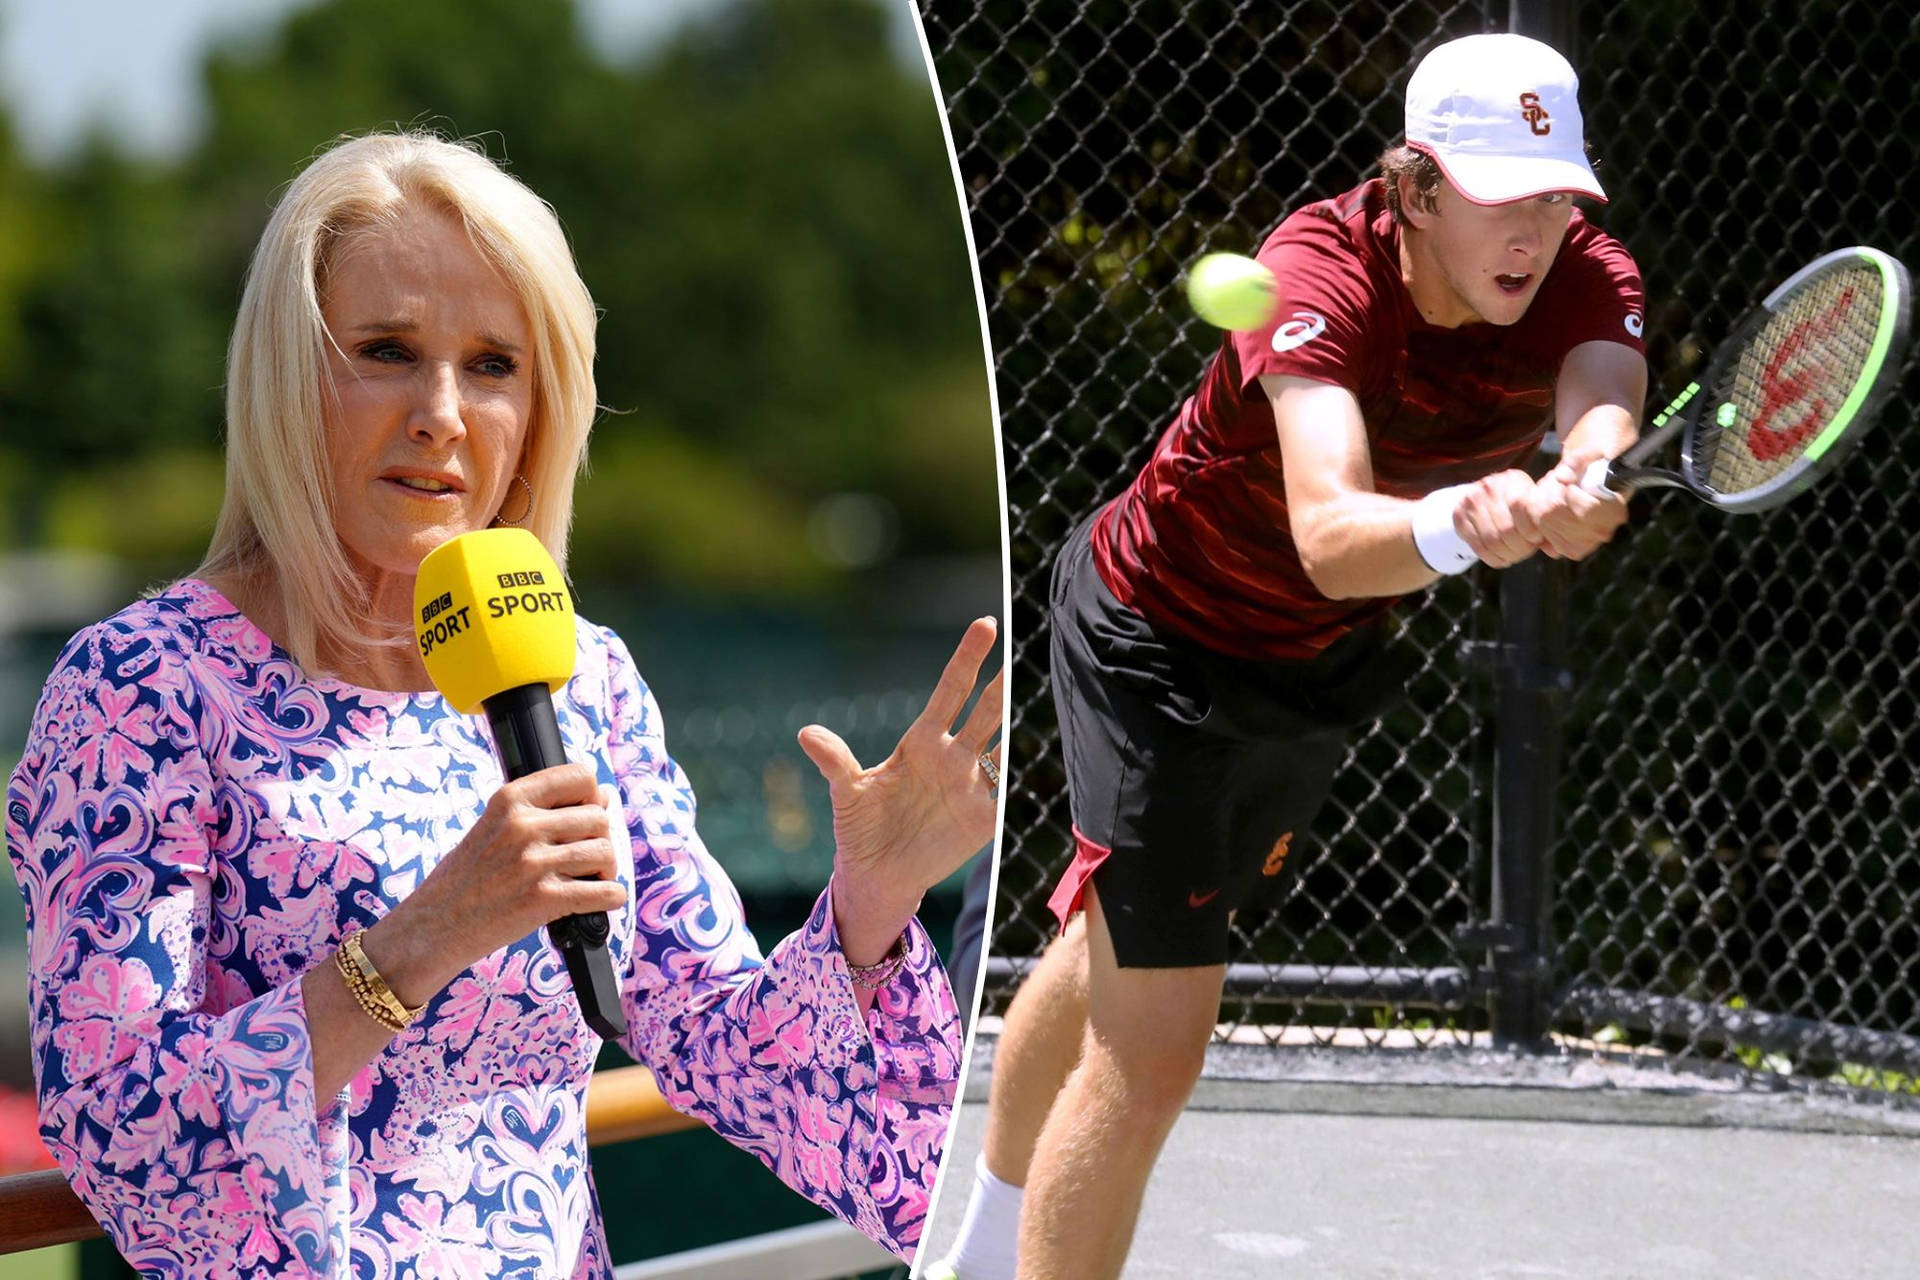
[(494, 621)]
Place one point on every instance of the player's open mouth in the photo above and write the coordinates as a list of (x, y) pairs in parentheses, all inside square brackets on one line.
[(1513, 282)]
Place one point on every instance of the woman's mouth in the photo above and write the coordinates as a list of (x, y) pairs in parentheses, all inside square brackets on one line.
[(423, 486), (1513, 283)]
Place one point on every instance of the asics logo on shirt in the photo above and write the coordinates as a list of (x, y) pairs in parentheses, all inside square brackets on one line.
[(1297, 332)]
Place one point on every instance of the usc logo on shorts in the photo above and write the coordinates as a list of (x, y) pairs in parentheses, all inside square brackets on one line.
[(1277, 858)]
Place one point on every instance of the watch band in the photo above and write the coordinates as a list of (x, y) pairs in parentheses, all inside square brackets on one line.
[(369, 988)]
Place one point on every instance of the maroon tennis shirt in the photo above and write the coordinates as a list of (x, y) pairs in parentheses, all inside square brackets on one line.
[(1200, 545)]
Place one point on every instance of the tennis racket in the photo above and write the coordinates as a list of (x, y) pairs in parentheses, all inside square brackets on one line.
[(1785, 398)]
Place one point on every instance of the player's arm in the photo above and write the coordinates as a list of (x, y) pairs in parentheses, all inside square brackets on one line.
[(1597, 413), (1354, 541)]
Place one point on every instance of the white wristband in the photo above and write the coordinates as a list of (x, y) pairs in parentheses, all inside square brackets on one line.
[(1433, 537)]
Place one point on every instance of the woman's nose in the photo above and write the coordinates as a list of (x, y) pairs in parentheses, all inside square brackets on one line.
[(436, 413)]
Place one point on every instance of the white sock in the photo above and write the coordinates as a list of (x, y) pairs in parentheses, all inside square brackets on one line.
[(988, 1246)]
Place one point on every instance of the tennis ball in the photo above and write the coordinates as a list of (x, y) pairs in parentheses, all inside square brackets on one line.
[(1232, 292)]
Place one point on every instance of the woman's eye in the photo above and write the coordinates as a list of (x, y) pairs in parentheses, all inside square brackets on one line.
[(499, 366), (384, 351)]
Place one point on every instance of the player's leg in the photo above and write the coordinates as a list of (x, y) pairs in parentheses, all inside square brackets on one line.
[(1146, 1040), (1200, 820), (1141, 781), (1039, 1044), (970, 934)]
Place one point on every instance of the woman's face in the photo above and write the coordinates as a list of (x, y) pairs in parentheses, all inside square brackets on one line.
[(431, 390)]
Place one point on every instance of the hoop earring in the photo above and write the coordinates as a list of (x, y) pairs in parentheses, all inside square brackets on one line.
[(501, 518)]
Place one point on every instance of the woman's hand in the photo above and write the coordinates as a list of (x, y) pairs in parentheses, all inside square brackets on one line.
[(910, 821), (542, 849)]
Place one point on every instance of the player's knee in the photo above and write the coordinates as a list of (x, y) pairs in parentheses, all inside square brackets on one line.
[(1154, 1073)]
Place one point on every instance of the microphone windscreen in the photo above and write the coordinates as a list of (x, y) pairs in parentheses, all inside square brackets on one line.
[(491, 613)]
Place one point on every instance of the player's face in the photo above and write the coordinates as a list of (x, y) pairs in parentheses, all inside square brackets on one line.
[(1492, 257), (429, 394)]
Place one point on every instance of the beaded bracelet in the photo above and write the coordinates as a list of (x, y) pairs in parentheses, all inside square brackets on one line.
[(369, 988), (872, 977)]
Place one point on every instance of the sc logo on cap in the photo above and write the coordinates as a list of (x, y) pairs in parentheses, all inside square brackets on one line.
[(1535, 115)]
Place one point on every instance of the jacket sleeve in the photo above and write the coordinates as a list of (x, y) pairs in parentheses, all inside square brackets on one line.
[(773, 1053), (181, 1110)]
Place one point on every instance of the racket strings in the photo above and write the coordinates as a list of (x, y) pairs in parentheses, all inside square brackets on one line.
[(1771, 404)]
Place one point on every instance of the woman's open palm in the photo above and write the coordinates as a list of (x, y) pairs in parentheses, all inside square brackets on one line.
[(907, 823)]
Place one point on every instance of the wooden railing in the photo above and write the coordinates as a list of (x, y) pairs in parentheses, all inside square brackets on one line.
[(39, 1209)]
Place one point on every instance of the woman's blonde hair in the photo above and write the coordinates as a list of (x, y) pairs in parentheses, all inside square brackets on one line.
[(276, 525)]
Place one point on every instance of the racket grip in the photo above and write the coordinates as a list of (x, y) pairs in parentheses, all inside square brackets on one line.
[(1594, 479)]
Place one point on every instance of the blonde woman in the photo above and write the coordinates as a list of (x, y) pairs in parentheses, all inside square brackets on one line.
[(243, 788)]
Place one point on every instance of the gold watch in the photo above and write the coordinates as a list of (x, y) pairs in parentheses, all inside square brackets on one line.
[(369, 988)]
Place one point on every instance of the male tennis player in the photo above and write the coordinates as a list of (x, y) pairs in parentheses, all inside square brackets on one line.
[(1216, 628)]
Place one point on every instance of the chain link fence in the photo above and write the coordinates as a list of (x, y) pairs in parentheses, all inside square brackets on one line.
[(1738, 868), (1731, 871)]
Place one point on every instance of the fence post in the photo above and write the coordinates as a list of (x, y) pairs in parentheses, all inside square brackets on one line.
[(1530, 677)]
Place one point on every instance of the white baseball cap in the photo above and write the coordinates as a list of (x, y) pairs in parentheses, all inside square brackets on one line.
[(1500, 114)]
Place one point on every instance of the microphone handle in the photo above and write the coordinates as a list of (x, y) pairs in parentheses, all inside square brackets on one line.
[(527, 736)]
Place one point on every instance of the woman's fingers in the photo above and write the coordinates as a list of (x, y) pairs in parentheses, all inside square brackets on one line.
[(985, 720), (582, 876), (591, 857), (562, 804), (558, 787), (565, 826), (581, 897), (961, 674), (544, 848), (830, 755)]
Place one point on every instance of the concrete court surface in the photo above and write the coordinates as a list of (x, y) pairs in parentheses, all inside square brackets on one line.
[(1474, 1181)]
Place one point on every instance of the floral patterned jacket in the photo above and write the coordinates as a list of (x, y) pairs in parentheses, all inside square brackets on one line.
[(195, 823)]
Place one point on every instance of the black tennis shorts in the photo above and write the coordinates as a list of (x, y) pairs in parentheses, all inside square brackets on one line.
[(1190, 774)]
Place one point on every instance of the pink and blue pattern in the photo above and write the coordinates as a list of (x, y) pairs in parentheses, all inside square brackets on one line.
[(196, 822)]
